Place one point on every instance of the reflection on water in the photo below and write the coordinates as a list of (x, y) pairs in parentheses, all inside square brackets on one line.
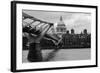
[(51, 55)]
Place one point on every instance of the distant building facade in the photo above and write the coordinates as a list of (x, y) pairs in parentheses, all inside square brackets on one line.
[(69, 40)]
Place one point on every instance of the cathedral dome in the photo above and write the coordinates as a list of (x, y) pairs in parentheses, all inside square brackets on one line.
[(61, 27)]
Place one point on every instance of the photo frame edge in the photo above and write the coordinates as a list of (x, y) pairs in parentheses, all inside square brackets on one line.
[(13, 36)]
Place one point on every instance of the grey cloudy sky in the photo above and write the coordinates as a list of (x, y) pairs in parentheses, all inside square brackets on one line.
[(75, 20)]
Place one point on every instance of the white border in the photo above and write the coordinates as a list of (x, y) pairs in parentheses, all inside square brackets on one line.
[(35, 65)]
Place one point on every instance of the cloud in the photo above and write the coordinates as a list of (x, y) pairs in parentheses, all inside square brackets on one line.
[(76, 20), (79, 22)]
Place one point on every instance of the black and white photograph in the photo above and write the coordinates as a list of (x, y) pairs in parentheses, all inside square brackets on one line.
[(53, 36), (56, 36)]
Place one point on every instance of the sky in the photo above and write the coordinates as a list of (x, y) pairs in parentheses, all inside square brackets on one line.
[(76, 20)]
